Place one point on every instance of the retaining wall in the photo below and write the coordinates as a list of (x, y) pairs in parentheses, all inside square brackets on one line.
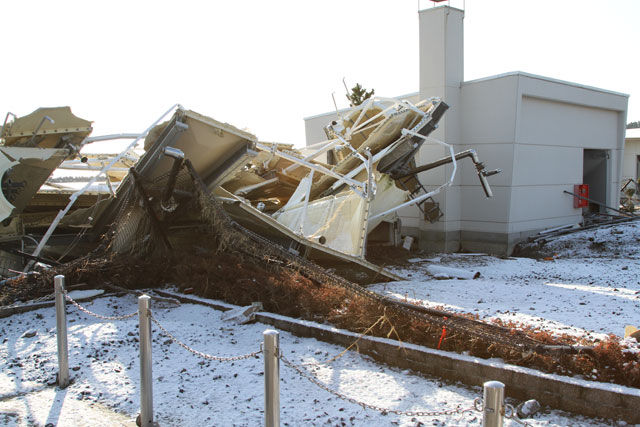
[(589, 398)]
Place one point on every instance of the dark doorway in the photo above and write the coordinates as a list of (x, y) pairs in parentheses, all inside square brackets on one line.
[(595, 173)]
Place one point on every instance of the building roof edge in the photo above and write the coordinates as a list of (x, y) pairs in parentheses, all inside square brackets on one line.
[(549, 79)]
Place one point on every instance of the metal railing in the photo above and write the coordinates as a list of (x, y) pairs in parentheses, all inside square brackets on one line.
[(492, 405)]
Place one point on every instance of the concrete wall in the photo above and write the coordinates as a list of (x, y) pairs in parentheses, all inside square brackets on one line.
[(557, 121), (569, 394), (535, 129), (630, 167), (489, 126), (565, 393), (575, 116)]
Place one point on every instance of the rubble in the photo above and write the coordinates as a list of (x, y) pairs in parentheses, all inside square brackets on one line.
[(630, 196)]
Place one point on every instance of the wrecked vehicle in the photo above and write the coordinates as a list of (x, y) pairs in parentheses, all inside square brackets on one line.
[(320, 202)]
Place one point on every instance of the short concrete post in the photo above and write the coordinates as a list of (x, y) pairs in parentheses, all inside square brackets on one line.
[(146, 386), (61, 332), (493, 413), (271, 378)]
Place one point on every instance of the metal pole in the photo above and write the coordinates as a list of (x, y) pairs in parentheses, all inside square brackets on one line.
[(31, 142), (599, 204), (316, 167), (178, 158), (493, 413), (306, 202), (146, 387), (61, 332), (271, 378)]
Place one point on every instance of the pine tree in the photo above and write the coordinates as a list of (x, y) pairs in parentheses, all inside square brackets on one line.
[(359, 95), (633, 125)]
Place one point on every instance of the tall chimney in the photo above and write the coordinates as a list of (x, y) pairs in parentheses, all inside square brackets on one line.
[(442, 55), (441, 74)]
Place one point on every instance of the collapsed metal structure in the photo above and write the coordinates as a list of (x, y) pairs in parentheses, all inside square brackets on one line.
[(320, 202)]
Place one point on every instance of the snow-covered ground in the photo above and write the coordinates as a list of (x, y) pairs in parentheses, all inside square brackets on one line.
[(191, 391), (590, 286)]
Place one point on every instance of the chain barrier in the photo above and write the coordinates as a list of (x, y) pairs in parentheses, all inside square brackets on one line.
[(364, 405), (511, 413), (49, 297), (478, 403), (199, 353), (99, 316)]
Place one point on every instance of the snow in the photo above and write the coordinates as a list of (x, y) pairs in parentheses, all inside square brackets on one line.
[(590, 287), (441, 272), (79, 295), (190, 391)]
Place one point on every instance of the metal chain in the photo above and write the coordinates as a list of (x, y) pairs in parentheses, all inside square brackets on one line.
[(510, 413), (99, 316), (199, 353), (364, 405), (48, 297)]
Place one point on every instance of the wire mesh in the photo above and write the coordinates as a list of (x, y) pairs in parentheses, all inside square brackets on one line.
[(132, 231)]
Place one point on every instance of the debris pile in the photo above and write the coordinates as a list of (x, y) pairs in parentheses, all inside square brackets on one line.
[(321, 201)]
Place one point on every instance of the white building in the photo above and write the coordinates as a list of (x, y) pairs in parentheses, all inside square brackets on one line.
[(546, 135), (631, 160)]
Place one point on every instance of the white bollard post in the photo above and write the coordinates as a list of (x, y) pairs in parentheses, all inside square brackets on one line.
[(493, 413), (271, 378), (146, 386), (61, 332)]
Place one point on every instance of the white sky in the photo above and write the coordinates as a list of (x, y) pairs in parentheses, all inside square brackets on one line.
[(266, 65)]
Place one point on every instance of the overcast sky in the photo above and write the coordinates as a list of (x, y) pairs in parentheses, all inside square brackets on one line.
[(265, 65)]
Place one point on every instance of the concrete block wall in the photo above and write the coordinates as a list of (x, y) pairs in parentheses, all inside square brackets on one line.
[(572, 395)]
